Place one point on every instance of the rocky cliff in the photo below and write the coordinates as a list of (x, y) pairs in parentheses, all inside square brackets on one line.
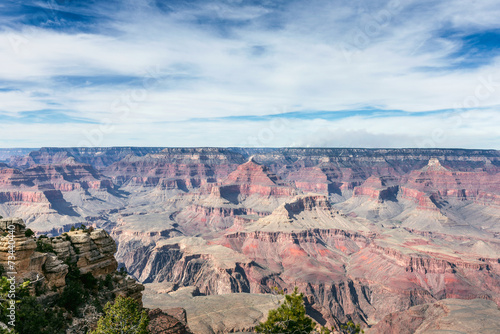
[(47, 259), (191, 167), (100, 157), (47, 264), (449, 315), (346, 270), (362, 232), (93, 180)]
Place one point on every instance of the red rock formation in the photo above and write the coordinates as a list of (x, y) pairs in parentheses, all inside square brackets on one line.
[(316, 260), (434, 178), (457, 316), (67, 176), (42, 157), (162, 323), (252, 178), (488, 199), (358, 263), (423, 200), (308, 203), (251, 173), (204, 218), (198, 218), (310, 179), (376, 189), (11, 178), (195, 167), (23, 196)]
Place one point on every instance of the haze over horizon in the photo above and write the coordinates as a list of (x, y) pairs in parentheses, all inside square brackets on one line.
[(250, 73)]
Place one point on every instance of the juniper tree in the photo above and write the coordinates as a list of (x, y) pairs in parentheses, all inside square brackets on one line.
[(124, 316), (289, 317)]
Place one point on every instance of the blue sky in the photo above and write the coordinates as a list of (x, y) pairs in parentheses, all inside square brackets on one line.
[(250, 73)]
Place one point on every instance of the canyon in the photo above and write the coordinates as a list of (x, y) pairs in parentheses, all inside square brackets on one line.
[(380, 237)]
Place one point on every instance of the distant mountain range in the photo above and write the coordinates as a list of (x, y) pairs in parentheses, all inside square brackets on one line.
[(363, 233)]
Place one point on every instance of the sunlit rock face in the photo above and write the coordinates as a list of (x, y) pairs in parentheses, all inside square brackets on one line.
[(21, 247), (91, 251), (449, 315), (182, 168)]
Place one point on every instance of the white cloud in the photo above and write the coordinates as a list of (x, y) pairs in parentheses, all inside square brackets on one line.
[(300, 66), (435, 130)]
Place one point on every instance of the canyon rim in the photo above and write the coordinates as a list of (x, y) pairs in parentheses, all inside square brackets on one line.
[(365, 234)]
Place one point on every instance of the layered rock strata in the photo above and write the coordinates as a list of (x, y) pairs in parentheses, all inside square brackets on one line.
[(91, 251)]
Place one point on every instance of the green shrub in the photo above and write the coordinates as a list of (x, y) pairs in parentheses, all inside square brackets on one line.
[(78, 288), (40, 288), (33, 318), (73, 296), (97, 305), (122, 271), (351, 328), (108, 282), (28, 233), (89, 281), (290, 317), (123, 316), (44, 247), (73, 272)]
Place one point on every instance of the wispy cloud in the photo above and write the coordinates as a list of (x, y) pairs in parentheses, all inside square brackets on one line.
[(368, 69)]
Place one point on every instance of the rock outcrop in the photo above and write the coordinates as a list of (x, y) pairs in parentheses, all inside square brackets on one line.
[(22, 247), (214, 269), (252, 178), (449, 315), (377, 189), (162, 323), (91, 251), (304, 212), (464, 185), (310, 179)]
